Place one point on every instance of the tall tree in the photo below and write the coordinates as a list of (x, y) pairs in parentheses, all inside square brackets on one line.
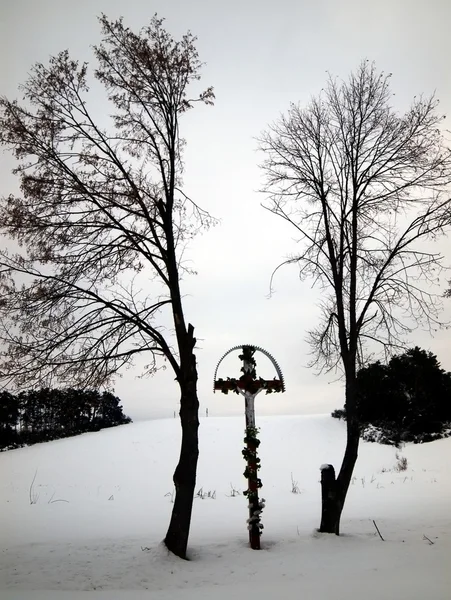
[(102, 219), (366, 189)]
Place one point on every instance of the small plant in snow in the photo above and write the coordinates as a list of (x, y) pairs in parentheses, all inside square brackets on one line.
[(210, 494), (233, 492), (52, 501), (34, 496), (401, 463), (294, 486), (170, 495)]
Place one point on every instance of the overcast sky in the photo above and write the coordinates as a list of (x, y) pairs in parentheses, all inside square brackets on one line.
[(260, 56)]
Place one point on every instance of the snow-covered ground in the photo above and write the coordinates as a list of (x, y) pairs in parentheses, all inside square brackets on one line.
[(90, 525)]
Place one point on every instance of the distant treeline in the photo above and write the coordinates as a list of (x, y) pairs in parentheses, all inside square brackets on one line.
[(47, 414)]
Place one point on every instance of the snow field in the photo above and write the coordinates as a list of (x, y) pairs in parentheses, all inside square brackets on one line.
[(91, 523)]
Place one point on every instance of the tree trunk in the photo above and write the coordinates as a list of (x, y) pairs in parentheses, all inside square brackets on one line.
[(184, 478), (333, 490)]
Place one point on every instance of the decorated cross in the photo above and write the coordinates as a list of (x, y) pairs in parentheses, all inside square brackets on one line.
[(248, 385)]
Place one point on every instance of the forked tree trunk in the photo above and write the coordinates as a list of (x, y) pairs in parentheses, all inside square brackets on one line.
[(176, 539), (334, 490)]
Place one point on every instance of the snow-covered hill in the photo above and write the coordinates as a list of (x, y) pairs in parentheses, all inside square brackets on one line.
[(89, 513)]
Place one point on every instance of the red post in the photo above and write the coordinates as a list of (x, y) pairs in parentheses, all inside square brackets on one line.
[(254, 504)]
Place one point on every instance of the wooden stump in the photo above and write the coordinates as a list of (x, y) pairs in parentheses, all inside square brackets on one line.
[(329, 500)]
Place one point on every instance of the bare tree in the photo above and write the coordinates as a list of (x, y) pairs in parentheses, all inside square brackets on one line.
[(102, 219), (366, 190)]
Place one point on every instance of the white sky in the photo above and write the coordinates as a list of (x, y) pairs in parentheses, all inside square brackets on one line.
[(260, 56)]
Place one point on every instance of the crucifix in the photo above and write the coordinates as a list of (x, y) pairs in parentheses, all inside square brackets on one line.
[(249, 386)]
